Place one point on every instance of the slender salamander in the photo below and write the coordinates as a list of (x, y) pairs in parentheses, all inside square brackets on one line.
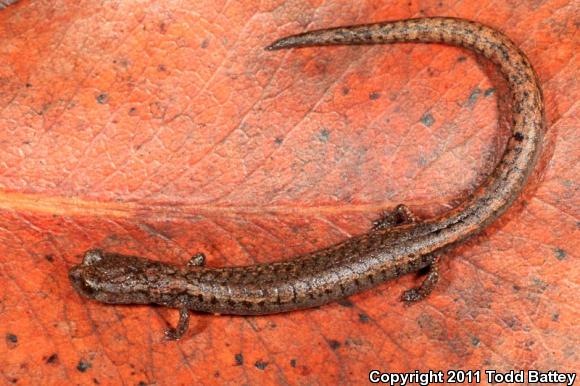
[(396, 245)]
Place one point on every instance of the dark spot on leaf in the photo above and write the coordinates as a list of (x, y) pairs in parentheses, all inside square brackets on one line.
[(334, 344), (261, 365), (52, 359), (11, 340), (511, 322), (142, 383), (518, 136), (162, 27), (123, 62), (489, 91), (529, 344), (28, 85), (49, 258), (161, 68), (324, 135), (427, 119), (540, 284), (475, 341), (374, 95), (472, 99), (204, 43), (239, 359), (83, 366), (278, 140), (132, 110), (103, 98), (560, 253), (461, 58), (364, 318), (293, 363), (345, 90), (555, 317), (345, 303)]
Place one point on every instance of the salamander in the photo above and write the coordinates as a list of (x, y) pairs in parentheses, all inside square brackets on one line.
[(397, 244)]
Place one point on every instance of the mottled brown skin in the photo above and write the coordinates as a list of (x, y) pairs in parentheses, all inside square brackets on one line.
[(397, 244)]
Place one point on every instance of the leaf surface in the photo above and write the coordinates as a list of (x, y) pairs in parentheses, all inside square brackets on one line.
[(163, 129)]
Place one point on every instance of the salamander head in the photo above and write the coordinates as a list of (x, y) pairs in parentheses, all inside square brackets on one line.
[(120, 279)]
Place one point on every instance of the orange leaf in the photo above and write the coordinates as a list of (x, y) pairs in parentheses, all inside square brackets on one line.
[(163, 129)]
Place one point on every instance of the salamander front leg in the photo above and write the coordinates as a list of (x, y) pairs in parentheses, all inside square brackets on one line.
[(197, 260), (182, 326), (426, 287), (400, 215)]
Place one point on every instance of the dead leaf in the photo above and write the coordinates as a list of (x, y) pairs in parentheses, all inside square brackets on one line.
[(163, 129)]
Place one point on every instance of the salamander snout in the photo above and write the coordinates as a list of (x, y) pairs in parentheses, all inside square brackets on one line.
[(76, 277), (80, 275), (118, 279)]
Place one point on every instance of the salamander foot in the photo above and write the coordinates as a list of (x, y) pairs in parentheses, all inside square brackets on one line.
[(182, 326), (416, 294), (197, 260), (398, 216)]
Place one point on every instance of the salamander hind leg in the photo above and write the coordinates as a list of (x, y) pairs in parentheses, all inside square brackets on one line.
[(416, 294), (398, 216), (182, 326)]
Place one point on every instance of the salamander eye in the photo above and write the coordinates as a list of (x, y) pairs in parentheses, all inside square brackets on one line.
[(86, 288), (93, 256)]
